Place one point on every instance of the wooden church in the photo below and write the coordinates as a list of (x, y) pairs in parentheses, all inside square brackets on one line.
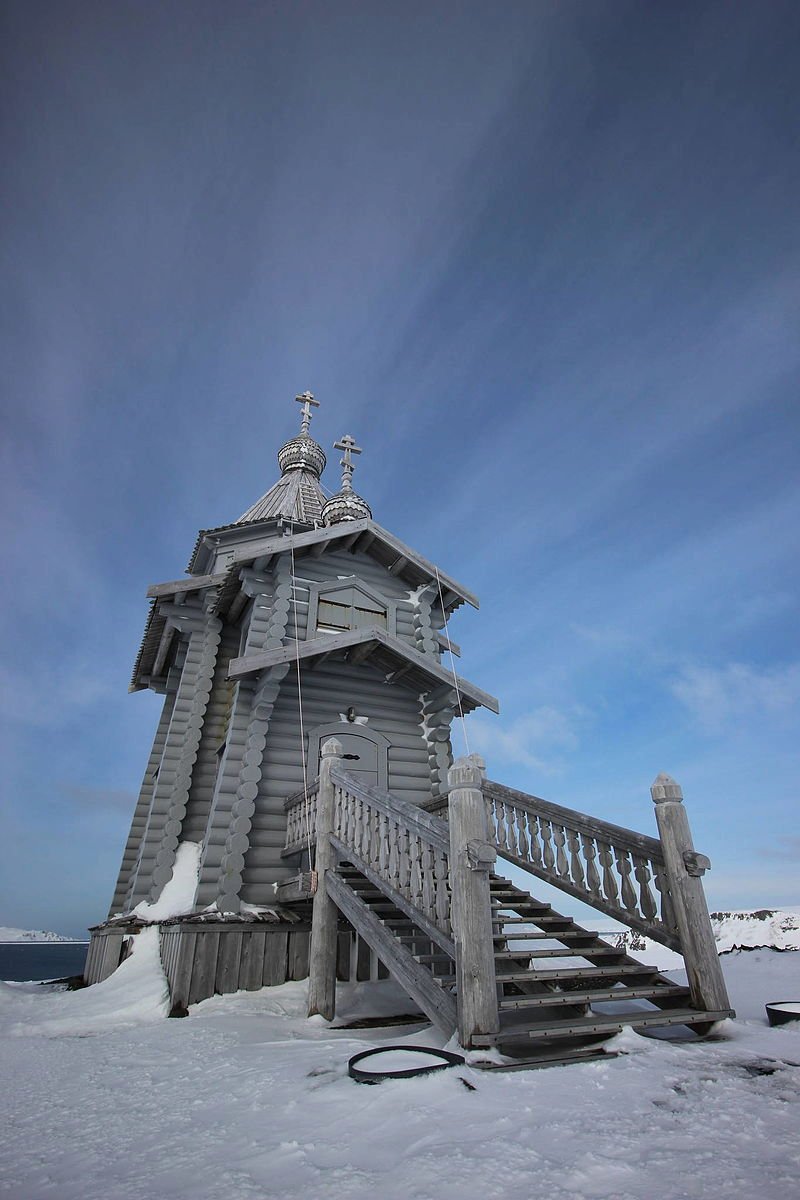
[(303, 756)]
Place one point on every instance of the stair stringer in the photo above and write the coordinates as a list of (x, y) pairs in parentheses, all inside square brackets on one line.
[(417, 980)]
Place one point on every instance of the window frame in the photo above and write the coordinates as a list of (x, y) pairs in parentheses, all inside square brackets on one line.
[(328, 590)]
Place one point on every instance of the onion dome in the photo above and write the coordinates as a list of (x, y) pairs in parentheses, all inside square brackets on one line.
[(302, 453), (297, 495), (346, 505)]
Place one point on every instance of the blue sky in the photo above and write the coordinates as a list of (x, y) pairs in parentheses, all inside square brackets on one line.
[(541, 259)]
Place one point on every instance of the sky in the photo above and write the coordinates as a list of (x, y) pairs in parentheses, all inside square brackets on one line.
[(541, 259)]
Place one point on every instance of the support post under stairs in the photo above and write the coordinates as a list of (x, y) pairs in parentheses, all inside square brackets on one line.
[(325, 915)]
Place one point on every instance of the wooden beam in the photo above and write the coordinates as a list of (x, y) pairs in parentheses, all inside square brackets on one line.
[(163, 649), (393, 676), (398, 565), (373, 532), (237, 606), (361, 653), (179, 586)]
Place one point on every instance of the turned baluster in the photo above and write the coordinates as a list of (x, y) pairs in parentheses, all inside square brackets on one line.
[(592, 877), (609, 882), (415, 880), (394, 854), (536, 841), (428, 881), (647, 902), (548, 859), (383, 848), (624, 869), (562, 867), (576, 866), (441, 871)]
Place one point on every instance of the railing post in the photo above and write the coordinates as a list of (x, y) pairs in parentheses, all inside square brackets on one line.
[(325, 915), (684, 869), (471, 859)]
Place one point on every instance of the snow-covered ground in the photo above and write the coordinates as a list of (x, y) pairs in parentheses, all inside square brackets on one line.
[(7, 934), (103, 1097)]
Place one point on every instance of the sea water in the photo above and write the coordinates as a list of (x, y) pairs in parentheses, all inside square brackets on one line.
[(20, 961)]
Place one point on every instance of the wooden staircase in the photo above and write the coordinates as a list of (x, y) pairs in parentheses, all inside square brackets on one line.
[(549, 1013), (483, 958)]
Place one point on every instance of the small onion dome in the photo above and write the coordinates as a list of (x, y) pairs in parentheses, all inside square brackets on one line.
[(302, 453), (345, 506)]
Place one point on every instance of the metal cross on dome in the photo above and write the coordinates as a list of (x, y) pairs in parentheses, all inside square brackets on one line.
[(307, 400), (348, 445)]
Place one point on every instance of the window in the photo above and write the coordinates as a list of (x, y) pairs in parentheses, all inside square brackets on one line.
[(345, 605)]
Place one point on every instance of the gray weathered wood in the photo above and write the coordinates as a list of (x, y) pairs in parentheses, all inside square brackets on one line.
[(684, 868), (299, 954), (227, 974), (411, 975), (322, 958), (344, 853), (182, 982), (253, 664), (251, 964), (275, 970), (180, 586), (433, 829), (345, 532), (471, 860), (204, 968)]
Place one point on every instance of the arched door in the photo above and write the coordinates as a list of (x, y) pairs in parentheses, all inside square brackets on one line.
[(366, 752)]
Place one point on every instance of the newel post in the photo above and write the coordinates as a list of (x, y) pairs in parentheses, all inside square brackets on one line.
[(684, 869), (325, 915), (471, 859)]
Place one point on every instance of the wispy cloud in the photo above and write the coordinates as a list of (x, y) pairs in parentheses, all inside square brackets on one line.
[(536, 739), (46, 697), (720, 698)]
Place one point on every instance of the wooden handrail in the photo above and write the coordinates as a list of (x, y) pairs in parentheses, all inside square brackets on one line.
[(617, 871), (432, 829), (407, 849), (624, 838)]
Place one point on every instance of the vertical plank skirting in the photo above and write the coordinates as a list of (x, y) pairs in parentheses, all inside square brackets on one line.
[(251, 962), (275, 967)]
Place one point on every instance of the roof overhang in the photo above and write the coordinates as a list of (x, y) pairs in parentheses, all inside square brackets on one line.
[(386, 653), (356, 536), (150, 665)]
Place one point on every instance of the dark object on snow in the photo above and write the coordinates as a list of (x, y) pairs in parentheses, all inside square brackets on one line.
[(364, 1075), (781, 1012)]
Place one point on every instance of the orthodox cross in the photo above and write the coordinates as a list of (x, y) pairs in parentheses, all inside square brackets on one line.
[(348, 444), (306, 399)]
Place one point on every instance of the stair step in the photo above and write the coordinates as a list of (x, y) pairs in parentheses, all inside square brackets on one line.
[(591, 934), (566, 952), (539, 920), (565, 973), (429, 958), (520, 908), (602, 1023), (603, 996)]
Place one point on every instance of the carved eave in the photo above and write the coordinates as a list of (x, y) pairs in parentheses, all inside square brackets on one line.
[(209, 541), (397, 660), (356, 536), (149, 670)]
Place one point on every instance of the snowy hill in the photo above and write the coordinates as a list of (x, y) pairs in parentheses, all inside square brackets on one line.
[(763, 928), (7, 934), (740, 929)]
